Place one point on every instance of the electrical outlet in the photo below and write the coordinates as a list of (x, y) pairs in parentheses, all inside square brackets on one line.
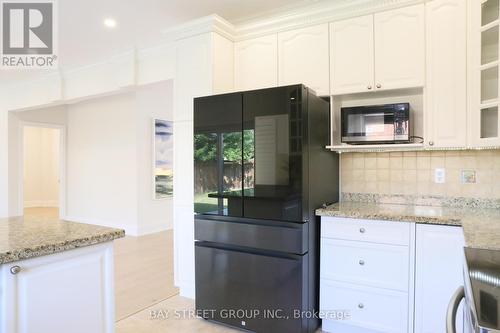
[(469, 177), (439, 176)]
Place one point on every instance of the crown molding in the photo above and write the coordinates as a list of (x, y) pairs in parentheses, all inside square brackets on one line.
[(321, 12), (281, 20), (206, 24), (157, 63)]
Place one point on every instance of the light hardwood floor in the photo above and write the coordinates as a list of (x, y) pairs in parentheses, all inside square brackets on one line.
[(143, 322), (144, 272), (168, 316), (43, 212)]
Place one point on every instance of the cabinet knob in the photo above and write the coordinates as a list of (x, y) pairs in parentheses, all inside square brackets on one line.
[(379, 85), (362, 230), (362, 262), (369, 87), (431, 143), (15, 269), (361, 305)]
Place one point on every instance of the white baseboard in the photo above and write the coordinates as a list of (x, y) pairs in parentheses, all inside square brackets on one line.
[(151, 229), (187, 290), (129, 230), (41, 203)]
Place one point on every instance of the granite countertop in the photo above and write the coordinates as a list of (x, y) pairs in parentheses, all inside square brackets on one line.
[(29, 237), (481, 225)]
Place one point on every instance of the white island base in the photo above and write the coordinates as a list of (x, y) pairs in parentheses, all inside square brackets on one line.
[(70, 291)]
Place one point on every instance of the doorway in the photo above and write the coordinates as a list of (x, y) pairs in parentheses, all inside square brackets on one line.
[(42, 155)]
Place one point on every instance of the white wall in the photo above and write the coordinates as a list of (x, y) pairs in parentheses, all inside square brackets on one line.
[(101, 163), (109, 167), (41, 167), (51, 116), (4, 163), (152, 101)]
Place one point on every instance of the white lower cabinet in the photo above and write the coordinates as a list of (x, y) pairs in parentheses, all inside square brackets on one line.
[(397, 281), (70, 291), (378, 265), (373, 309), (439, 272)]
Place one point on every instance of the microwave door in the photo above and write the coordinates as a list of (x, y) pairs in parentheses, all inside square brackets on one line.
[(370, 127)]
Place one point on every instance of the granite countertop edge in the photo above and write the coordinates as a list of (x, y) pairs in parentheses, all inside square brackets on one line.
[(420, 219), (30, 252), (481, 226)]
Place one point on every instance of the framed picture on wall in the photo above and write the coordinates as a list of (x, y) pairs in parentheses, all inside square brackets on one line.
[(162, 159)]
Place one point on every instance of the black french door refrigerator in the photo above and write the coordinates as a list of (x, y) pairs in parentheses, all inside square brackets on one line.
[(261, 169)]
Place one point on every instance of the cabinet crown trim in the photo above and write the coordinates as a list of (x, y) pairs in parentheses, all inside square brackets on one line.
[(280, 20)]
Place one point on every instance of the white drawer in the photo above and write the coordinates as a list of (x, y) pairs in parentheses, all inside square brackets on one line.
[(376, 265), (387, 232), (374, 309)]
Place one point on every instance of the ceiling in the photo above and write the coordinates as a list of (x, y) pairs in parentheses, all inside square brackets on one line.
[(83, 38)]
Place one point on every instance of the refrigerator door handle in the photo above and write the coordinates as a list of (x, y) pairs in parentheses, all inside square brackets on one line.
[(451, 313)]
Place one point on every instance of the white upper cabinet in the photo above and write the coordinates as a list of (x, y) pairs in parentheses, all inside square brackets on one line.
[(483, 88), (446, 80), (378, 52), (351, 56), (303, 58), (400, 48), (256, 63)]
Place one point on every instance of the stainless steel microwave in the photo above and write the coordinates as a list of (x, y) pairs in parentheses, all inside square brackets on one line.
[(388, 123)]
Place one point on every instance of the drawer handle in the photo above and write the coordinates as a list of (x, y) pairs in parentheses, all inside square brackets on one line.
[(361, 305), (15, 269), (362, 230), (362, 262)]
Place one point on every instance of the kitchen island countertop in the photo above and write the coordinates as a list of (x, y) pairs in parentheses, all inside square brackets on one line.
[(30, 237)]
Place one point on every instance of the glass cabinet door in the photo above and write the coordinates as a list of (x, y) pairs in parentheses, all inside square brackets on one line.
[(218, 164), (272, 152), (485, 88)]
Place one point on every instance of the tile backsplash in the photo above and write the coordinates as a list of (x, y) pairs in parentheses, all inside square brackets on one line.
[(468, 174)]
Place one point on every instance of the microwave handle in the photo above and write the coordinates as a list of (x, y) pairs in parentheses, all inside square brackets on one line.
[(451, 313)]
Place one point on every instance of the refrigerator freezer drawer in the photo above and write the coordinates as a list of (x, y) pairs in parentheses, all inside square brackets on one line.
[(267, 235), (250, 291)]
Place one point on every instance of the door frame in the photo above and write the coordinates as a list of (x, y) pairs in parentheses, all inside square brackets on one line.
[(62, 164)]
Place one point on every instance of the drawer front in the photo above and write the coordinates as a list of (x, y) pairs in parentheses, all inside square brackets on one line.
[(259, 234), (376, 265), (374, 309), (386, 232)]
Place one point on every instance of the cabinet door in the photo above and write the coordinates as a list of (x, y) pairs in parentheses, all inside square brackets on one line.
[(439, 272), (303, 58), (446, 98), (351, 55), (65, 292), (371, 310), (256, 63), (483, 76), (400, 48)]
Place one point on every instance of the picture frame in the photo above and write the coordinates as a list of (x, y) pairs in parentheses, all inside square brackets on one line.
[(162, 170)]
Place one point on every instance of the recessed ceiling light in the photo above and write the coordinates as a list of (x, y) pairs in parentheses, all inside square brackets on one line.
[(110, 22)]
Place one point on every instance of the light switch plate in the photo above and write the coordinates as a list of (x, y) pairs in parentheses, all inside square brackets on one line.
[(439, 176)]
